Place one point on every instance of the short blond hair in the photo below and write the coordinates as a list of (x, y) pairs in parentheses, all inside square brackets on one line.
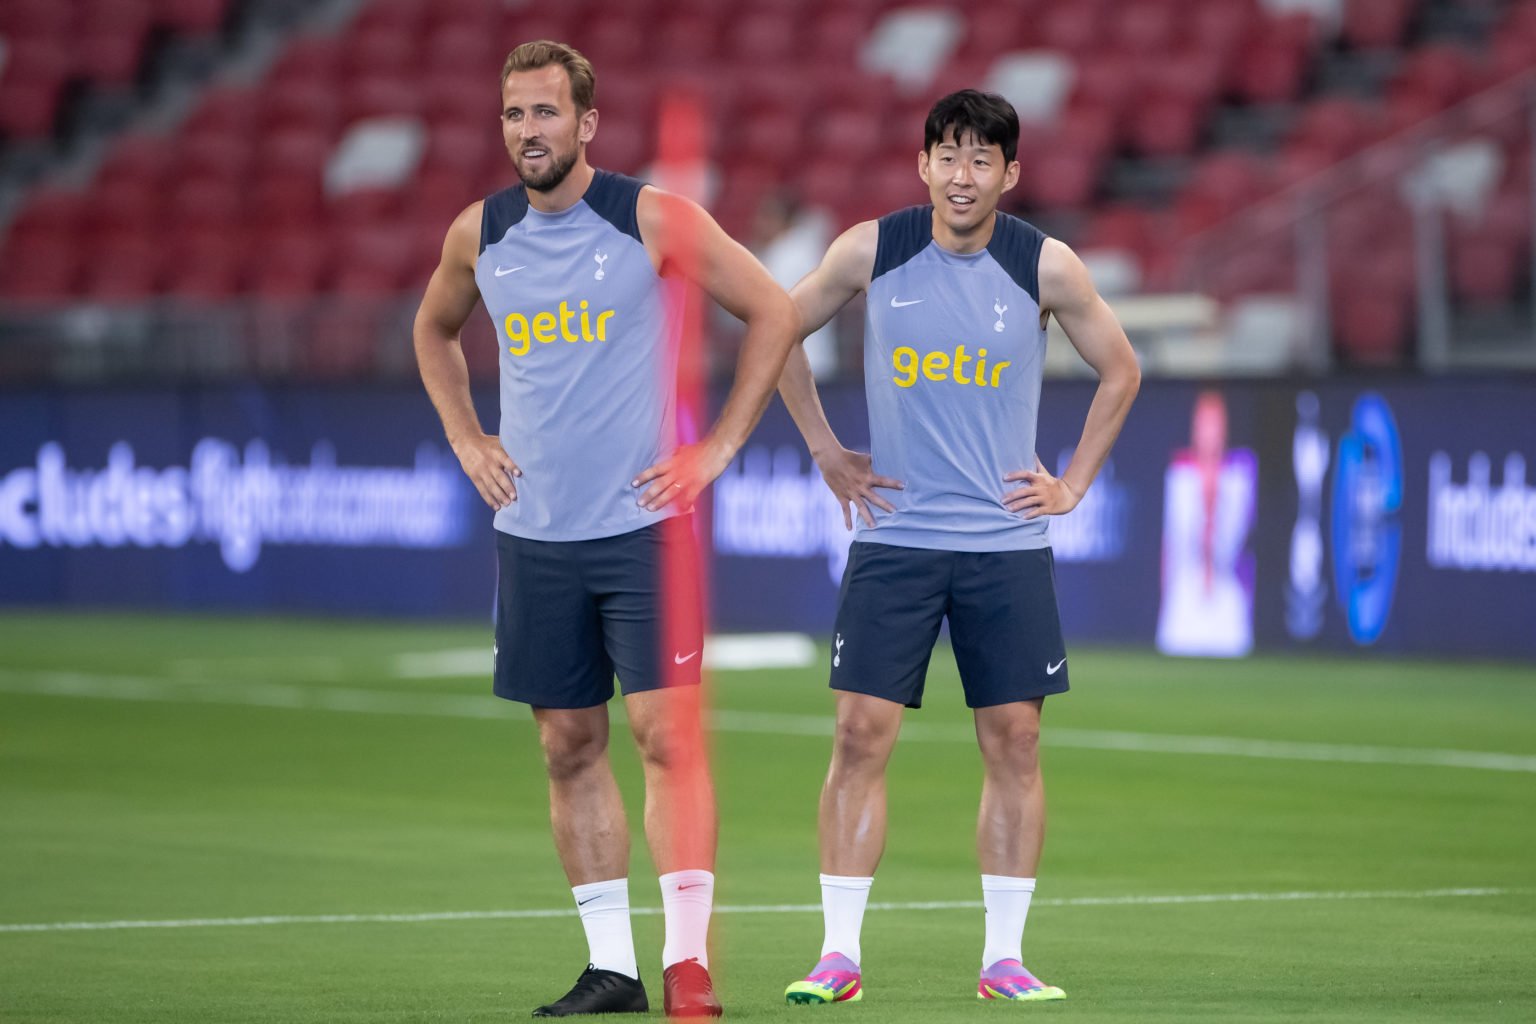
[(545, 52)]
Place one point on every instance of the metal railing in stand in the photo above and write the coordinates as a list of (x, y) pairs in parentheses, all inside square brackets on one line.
[(1398, 210)]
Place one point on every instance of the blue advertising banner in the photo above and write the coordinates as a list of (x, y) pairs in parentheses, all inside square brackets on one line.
[(1337, 516), (238, 498), (1400, 519)]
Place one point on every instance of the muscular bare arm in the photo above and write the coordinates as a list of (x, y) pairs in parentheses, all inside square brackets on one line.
[(843, 273), (450, 298), (1068, 294), (682, 234)]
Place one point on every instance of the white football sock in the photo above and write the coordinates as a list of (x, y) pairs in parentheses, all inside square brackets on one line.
[(843, 899), (1007, 901), (686, 900), (604, 910)]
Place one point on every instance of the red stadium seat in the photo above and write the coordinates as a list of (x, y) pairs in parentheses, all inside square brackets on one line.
[(623, 145), (123, 267), (28, 110), (1192, 76), (126, 204), (1220, 27), (36, 19), (1443, 73), (362, 208), (1372, 329), (688, 36), (223, 108), (1484, 270), (49, 271), (305, 103), (390, 15), (455, 94), (195, 17), (1230, 180), (383, 49), (206, 265), (293, 151), (850, 129), (315, 59), (129, 18), (1337, 126), (138, 157), (1144, 27), (437, 196), (1062, 176), (1118, 226), (289, 264), (1102, 85), (467, 49), (769, 139), (1375, 24), (374, 258), (211, 204), (381, 95), (461, 143), (287, 202), (226, 154), (1274, 62), (50, 211), (835, 35), (766, 39), (107, 56), (611, 44), (1075, 28), (1165, 127), (480, 16)]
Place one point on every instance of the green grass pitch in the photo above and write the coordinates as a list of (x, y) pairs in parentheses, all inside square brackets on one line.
[(181, 769)]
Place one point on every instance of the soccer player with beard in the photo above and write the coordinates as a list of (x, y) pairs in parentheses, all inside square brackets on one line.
[(958, 296), (582, 474)]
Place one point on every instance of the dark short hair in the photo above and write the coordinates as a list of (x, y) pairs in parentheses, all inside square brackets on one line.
[(986, 115), (545, 52)]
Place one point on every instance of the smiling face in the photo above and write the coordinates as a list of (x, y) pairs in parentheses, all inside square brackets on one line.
[(544, 129), (966, 178)]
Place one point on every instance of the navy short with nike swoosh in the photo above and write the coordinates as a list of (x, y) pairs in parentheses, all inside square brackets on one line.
[(569, 614), (1003, 623)]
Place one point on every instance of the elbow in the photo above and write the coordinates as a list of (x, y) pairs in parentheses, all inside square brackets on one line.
[(778, 317), (786, 317), (1129, 375)]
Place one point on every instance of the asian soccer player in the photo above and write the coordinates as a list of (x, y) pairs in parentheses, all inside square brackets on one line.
[(952, 507)]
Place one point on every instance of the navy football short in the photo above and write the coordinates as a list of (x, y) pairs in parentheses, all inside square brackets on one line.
[(569, 614), (1003, 623)]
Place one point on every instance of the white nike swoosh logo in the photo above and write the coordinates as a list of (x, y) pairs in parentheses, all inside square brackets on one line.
[(504, 271), (897, 303), (1051, 670), (682, 660)]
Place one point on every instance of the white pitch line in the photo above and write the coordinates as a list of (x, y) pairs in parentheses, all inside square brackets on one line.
[(776, 908), (725, 652), (443, 705)]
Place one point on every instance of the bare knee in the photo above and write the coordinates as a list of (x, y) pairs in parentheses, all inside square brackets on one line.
[(1012, 746), (862, 741), (670, 745), (572, 750)]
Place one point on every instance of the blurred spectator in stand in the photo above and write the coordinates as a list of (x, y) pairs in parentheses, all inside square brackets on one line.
[(790, 240)]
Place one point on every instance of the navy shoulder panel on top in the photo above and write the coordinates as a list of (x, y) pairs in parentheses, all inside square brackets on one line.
[(615, 198), (1016, 246), (903, 234), (500, 212)]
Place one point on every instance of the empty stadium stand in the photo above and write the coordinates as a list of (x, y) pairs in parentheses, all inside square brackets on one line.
[(1149, 125)]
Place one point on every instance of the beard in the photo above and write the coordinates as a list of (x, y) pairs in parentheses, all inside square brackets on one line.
[(551, 178)]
